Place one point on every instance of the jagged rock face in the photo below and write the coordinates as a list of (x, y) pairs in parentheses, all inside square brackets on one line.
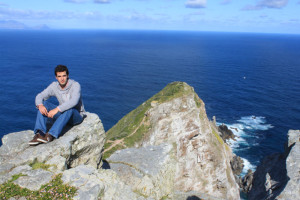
[(292, 189), (199, 159), (202, 160), (278, 175), (226, 133), (237, 165), (82, 144), (246, 182)]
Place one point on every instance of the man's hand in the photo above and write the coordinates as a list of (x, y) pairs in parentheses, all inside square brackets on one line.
[(53, 112), (43, 110)]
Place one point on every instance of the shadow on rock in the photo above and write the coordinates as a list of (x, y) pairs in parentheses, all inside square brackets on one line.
[(193, 198)]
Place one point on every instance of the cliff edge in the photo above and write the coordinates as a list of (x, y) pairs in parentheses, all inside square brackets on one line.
[(167, 147), (278, 175)]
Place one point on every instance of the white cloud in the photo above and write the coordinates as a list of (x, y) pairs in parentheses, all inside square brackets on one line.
[(18, 14), (75, 1), (273, 3), (102, 1), (195, 4), (267, 4)]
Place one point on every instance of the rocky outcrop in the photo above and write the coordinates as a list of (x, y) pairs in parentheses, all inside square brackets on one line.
[(246, 182), (226, 133), (278, 175), (95, 184), (80, 145), (164, 149), (189, 155)]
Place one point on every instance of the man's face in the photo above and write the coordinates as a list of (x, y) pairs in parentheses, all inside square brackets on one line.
[(62, 78)]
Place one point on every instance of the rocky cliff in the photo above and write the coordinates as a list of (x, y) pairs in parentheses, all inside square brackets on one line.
[(278, 175), (167, 147), (164, 149), (37, 166)]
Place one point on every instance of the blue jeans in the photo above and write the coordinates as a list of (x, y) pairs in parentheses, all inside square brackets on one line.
[(70, 116)]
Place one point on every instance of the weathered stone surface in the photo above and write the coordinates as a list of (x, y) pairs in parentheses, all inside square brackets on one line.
[(292, 189), (176, 116), (148, 170), (82, 144), (226, 133), (93, 184), (237, 165), (203, 159), (278, 175), (34, 179)]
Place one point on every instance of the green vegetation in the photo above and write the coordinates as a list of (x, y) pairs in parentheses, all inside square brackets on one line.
[(111, 151), (132, 122), (164, 197), (53, 190), (138, 136), (16, 176), (217, 136), (140, 193), (39, 165), (197, 100)]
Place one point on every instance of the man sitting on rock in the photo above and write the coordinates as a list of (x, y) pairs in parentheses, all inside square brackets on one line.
[(70, 109)]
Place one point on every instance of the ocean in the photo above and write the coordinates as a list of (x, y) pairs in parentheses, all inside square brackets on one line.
[(249, 81)]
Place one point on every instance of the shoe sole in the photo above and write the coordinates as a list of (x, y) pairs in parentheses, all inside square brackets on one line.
[(34, 143), (42, 141)]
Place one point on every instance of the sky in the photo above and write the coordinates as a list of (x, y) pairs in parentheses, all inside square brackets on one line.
[(262, 16)]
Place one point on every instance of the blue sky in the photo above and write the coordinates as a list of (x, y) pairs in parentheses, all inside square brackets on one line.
[(267, 16)]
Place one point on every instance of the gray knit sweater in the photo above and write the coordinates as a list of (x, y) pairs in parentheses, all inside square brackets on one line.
[(69, 97)]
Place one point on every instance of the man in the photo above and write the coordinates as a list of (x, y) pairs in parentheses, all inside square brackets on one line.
[(70, 109)]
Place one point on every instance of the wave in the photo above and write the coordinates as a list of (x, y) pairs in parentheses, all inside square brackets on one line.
[(245, 129)]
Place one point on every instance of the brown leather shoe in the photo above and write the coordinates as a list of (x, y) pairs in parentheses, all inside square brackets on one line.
[(45, 139), (35, 141)]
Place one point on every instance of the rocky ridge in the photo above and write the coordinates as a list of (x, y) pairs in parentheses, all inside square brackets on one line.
[(190, 155)]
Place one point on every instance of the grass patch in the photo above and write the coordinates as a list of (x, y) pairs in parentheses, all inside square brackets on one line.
[(217, 136), (137, 136), (140, 193), (55, 189), (164, 197), (197, 100), (39, 165), (107, 154), (132, 120), (16, 176)]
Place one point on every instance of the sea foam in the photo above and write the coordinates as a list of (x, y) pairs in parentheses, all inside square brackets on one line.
[(245, 131)]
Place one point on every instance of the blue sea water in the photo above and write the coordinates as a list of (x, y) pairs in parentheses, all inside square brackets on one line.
[(248, 81)]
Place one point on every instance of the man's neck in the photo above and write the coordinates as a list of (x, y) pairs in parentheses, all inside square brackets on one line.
[(64, 86)]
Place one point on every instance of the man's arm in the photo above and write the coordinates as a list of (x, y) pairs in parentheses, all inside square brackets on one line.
[(73, 101), (53, 112), (44, 95)]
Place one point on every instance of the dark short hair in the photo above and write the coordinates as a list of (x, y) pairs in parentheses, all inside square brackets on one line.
[(61, 68)]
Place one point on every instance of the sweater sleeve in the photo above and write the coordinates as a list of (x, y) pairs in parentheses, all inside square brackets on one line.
[(44, 95), (74, 98)]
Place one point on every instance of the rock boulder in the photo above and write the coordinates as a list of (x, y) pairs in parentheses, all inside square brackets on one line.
[(81, 144), (278, 175)]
